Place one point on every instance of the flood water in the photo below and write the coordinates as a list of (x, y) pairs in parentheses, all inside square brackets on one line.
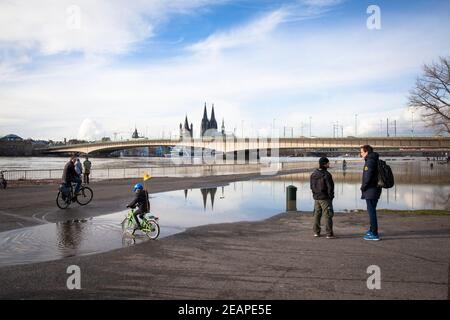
[(418, 186), (57, 163)]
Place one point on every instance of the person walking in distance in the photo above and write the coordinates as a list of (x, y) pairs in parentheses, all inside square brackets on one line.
[(370, 191), (87, 170), (322, 187), (79, 167)]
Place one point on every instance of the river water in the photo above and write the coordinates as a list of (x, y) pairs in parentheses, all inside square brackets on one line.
[(57, 163)]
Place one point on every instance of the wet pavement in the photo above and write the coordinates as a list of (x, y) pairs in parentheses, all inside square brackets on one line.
[(252, 200), (60, 240)]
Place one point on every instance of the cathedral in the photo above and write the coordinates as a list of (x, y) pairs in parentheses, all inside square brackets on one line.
[(186, 131), (208, 127)]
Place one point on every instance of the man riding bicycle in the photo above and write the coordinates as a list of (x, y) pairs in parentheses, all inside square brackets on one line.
[(141, 201), (71, 176)]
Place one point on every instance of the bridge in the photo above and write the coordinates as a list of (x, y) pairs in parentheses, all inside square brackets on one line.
[(233, 145)]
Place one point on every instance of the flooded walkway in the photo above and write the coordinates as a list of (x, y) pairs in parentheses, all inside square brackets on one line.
[(417, 187), (60, 240)]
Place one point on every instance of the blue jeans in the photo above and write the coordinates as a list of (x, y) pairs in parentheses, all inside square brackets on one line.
[(78, 182), (372, 211)]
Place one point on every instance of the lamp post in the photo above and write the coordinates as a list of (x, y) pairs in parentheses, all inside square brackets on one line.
[(310, 131), (412, 121), (356, 125), (273, 126)]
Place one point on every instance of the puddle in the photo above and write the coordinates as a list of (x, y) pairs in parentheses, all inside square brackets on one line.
[(66, 239)]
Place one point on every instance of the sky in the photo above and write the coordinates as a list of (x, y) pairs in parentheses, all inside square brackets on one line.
[(89, 69)]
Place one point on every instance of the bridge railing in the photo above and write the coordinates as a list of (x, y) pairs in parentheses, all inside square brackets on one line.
[(193, 170)]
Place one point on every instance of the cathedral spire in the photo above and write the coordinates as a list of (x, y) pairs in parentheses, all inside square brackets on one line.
[(213, 122), (205, 122), (205, 113)]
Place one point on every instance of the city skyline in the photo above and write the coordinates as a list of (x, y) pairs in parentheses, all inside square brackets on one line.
[(309, 65)]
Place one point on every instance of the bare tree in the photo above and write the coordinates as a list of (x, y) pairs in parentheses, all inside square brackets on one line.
[(431, 95)]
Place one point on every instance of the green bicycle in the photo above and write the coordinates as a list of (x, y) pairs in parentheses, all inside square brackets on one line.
[(149, 224)]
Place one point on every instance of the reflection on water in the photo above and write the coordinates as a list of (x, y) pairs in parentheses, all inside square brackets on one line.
[(66, 239), (417, 187)]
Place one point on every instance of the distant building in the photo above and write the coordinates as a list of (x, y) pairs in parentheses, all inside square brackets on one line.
[(135, 134), (11, 137), (13, 145), (76, 141), (208, 126), (186, 131)]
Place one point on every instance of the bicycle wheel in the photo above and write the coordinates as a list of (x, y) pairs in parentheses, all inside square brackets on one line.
[(86, 196), (151, 229), (60, 202), (126, 225), (128, 240)]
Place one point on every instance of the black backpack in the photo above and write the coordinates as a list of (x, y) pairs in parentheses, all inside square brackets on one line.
[(385, 175)]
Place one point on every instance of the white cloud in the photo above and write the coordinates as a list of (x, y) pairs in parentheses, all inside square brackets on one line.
[(90, 130), (243, 35), (321, 3), (271, 72), (50, 27)]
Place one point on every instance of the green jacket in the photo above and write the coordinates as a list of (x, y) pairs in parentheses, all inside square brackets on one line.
[(87, 166)]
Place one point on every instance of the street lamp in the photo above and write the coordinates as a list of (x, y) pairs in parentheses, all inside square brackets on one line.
[(310, 131), (356, 125), (411, 109)]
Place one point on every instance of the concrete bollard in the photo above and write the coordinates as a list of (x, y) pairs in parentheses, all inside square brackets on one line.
[(291, 198)]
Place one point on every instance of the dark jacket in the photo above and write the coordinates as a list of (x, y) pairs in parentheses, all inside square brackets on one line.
[(322, 185), (141, 201), (369, 187), (69, 173)]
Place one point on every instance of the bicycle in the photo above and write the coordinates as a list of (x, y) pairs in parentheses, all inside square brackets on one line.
[(64, 198), (149, 224)]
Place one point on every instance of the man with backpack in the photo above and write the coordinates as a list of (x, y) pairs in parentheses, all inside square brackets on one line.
[(370, 189), (322, 187)]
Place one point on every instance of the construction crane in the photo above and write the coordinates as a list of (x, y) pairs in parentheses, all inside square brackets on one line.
[(128, 133)]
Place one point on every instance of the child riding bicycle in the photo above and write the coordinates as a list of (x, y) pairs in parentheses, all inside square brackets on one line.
[(141, 201)]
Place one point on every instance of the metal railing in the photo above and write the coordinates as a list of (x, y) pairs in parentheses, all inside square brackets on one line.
[(192, 170)]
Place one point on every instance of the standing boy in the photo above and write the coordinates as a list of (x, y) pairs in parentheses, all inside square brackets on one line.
[(322, 187)]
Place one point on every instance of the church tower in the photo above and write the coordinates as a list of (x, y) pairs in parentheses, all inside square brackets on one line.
[(135, 134), (205, 122), (213, 122), (186, 131)]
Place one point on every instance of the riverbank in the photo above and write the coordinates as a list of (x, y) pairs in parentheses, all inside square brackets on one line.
[(276, 258), (28, 204), (273, 259), (410, 212)]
